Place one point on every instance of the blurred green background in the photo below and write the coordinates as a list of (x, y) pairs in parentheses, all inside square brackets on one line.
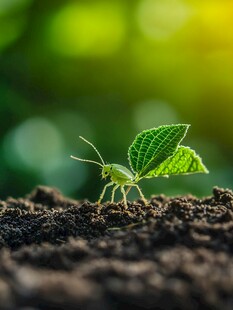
[(107, 70)]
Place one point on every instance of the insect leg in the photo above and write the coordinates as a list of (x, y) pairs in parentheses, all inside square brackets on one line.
[(128, 189), (113, 192), (124, 195), (140, 192), (104, 190)]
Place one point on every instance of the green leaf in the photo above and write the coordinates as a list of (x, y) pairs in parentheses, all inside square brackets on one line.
[(184, 161), (151, 147)]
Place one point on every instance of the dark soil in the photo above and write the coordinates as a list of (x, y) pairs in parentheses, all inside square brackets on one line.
[(58, 253)]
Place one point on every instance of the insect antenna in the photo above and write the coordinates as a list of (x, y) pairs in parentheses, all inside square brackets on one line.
[(87, 160)]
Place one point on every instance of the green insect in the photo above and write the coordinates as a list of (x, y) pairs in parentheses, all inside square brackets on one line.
[(154, 152)]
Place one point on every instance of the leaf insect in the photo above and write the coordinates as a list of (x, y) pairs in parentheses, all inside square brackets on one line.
[(154, 152), (120, 176)]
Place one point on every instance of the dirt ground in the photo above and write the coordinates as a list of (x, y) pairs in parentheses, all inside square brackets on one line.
[(174, 253)]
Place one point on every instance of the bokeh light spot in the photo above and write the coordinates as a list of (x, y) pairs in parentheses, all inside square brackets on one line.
[(69, 175), (36, 144), (87, 29), (153, 113), (159, 19)]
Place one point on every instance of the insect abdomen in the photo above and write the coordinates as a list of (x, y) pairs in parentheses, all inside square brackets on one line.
[(120, 173)]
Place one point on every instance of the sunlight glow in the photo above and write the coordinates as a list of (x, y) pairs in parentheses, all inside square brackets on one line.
[(217, 21)]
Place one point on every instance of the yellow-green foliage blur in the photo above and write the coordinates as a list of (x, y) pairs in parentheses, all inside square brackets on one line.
[(107, 70)]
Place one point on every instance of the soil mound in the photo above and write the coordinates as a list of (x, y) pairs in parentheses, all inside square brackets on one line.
[(174, 253)]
